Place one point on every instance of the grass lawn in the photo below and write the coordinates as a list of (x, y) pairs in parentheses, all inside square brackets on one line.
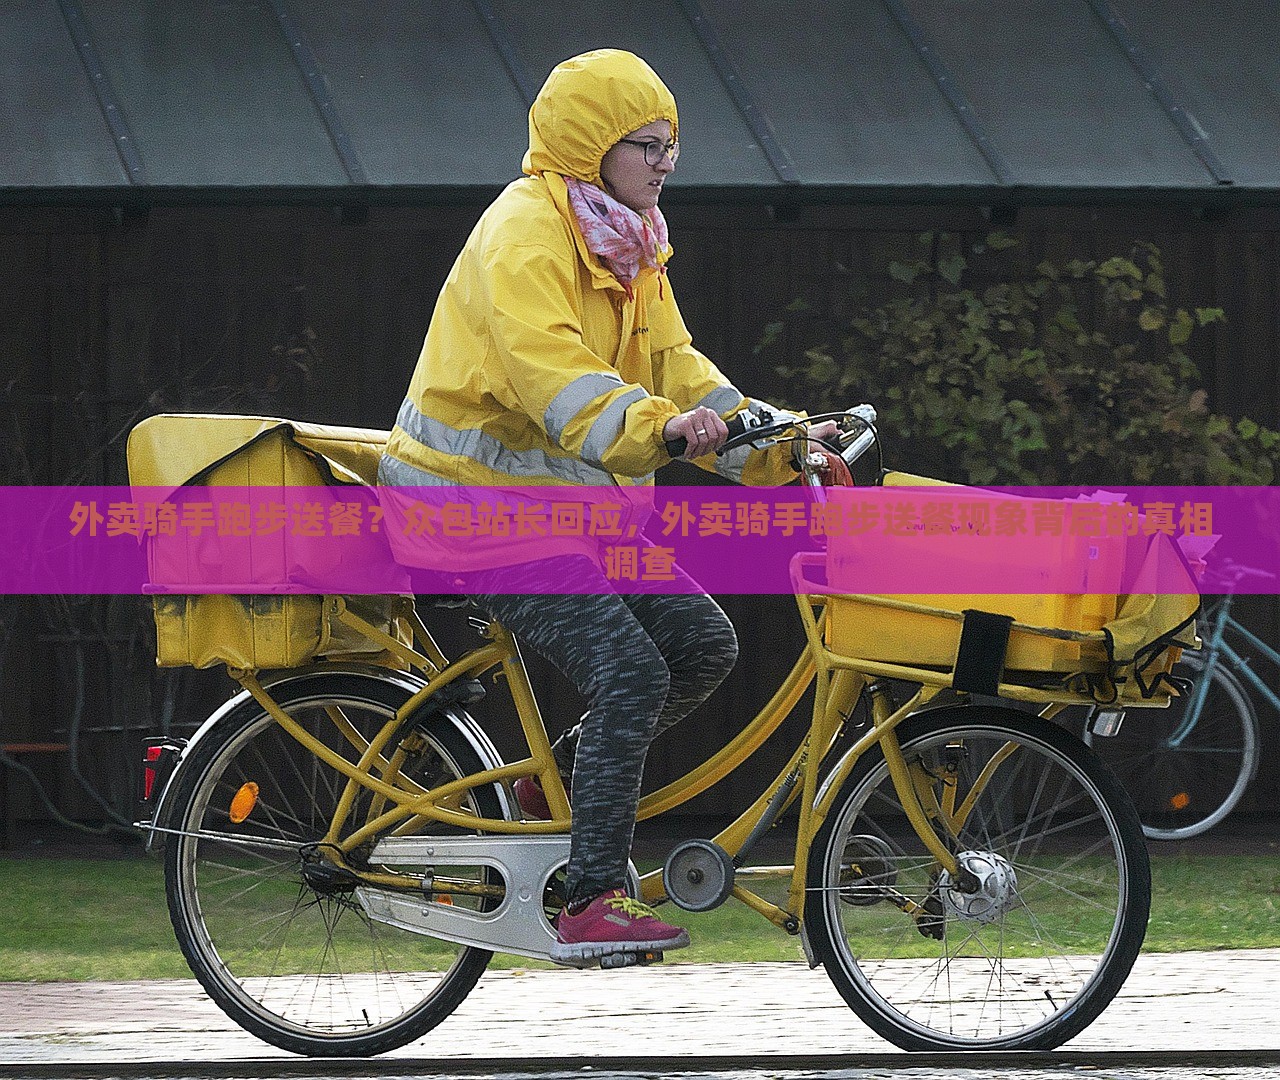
[(106, 919)]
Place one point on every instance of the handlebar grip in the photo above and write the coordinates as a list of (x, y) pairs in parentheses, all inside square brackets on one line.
[(736, 426)]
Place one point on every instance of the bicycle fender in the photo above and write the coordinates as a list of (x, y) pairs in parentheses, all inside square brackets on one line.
[(463, 721), (840, 771)]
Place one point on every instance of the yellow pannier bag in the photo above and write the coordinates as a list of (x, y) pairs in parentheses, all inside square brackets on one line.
[(259, 631), (1111, 645), (264, 632), (1150, 629)]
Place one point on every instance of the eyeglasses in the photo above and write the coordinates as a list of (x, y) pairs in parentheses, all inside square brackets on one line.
[(654, 150)]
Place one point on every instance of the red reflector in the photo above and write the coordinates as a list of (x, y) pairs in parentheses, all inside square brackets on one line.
[(154, 752), (148, 776)]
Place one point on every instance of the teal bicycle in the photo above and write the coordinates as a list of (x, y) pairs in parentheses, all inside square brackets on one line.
[(1188, 766)]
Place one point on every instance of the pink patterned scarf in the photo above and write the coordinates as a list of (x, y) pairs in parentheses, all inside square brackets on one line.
[(624, 241)]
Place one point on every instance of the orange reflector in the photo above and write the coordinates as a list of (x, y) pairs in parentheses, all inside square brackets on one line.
[(1180, 801), (444, 898), (244, 802)]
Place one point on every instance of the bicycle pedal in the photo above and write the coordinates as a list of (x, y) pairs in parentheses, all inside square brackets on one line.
[(630, 959)]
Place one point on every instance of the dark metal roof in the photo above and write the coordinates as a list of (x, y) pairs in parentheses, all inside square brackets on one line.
[(864, 99)]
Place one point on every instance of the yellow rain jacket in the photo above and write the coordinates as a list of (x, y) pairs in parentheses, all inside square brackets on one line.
[(537, 367)]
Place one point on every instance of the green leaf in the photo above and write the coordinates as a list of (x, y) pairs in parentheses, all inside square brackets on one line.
[(1246, 428), (772, 332), (999, 240), (1118, 267), (925, 238), (951, 267), (1207, 315), (1066, 318), (1181, 327), (1217, 425), (902, 272)]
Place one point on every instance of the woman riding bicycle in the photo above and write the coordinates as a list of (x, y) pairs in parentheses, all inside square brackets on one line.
[(557, 355)]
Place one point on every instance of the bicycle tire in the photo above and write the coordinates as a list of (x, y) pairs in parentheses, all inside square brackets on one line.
[(1184, 791), (283, 948), (1034, 957)]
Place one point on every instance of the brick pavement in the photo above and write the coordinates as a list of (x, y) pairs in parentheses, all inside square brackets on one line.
[(1185, 1001)]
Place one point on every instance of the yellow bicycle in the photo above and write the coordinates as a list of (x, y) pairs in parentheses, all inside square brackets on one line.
[(343, 853)]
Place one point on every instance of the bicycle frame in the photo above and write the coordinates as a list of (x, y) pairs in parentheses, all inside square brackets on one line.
[(401, 807), (404, 806), (1216, 646)]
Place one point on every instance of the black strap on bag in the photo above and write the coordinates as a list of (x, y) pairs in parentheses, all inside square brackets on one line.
[(984, 642), (1152, 652)]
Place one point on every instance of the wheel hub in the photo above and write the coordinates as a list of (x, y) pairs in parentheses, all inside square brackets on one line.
[(329, 880), (996, 887)]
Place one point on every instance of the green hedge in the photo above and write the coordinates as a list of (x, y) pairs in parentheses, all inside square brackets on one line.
[(988, 370)]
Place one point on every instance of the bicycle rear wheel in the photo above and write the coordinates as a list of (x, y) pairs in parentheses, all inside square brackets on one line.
[(271, 927), (1184, 785), (1030, 958)]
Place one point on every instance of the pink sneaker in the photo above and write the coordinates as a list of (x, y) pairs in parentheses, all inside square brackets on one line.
[(611, 925), (532, 799)]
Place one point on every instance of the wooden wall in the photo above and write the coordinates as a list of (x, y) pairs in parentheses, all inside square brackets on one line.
[(297, 312)]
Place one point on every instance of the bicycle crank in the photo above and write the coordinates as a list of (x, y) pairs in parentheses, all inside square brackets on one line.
[(517, 924), (528, 873)]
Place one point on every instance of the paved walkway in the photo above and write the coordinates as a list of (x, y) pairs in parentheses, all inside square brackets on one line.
[(1180, 1002)]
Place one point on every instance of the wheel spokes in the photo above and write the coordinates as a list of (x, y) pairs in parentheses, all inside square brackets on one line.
[(1008, 961)]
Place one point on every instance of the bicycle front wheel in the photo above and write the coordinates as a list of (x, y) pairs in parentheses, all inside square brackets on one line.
[(1029, 949), (1186, 773), (269, 924)]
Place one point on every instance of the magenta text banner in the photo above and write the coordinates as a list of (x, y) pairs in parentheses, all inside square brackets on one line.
[(729, 540)]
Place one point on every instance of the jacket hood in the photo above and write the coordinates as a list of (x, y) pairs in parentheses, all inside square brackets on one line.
[(586, 105)]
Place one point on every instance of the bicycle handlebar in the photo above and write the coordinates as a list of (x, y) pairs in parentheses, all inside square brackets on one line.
[(750, 427), (737, 426), (1230, 573)]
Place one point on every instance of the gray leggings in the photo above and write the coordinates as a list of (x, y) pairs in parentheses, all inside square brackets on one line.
[(642, 663)]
